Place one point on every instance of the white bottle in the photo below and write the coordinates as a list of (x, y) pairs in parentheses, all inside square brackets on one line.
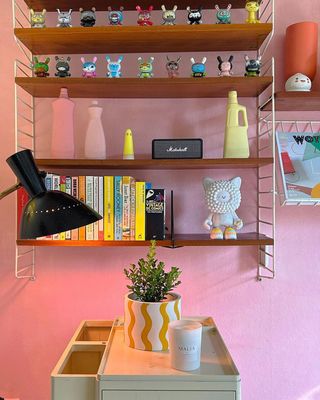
[(95, 142)]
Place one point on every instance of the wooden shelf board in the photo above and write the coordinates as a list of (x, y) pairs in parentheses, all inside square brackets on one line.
[(244, 239), (102, 5), (215, 87), (144, 39), (223, 163), (295, 101)]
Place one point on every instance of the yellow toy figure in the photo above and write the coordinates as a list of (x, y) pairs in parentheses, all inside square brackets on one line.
[(253, 6)]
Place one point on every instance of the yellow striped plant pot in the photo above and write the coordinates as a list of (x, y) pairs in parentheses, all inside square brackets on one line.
[(146, 323)]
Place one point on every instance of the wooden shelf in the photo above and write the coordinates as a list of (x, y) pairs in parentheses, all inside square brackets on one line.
[(244, 239), (144, 39), (215, 87), (102, 5), (295, 101), (215, 163)]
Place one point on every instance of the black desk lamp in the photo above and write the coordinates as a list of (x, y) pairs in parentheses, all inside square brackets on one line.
[(48, 211)]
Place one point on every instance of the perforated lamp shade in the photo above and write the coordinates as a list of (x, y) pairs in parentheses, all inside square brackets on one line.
[(48, 211)]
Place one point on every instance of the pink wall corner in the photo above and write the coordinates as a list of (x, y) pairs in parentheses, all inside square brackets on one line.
[(271, 328)]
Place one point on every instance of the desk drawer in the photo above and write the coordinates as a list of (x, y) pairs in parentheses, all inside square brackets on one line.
[(165, 394)]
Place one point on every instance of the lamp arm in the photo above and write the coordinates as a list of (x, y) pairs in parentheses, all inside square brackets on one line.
[(10, 190)]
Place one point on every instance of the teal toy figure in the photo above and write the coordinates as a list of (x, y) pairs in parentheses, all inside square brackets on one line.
[(253, 7), (40, 68), (198, 69), (145, 68), (114, 67), (223, 14)]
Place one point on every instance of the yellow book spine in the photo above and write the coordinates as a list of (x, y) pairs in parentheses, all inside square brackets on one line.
[(140, 211), (108, 208)]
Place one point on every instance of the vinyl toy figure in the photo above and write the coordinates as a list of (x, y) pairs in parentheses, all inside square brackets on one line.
[(40, 68), (253, 7), (114, 67), (253, 66), (63, 67), (144, 16), (115, 17), (145, 68), (89, 68), (198, 69), (38, 18), (194, 16), (87, 17), (169, 16), (172, 67), (223, 14), (225, 67), (64, 19)]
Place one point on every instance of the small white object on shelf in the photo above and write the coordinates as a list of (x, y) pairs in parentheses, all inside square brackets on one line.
[(298, 83)]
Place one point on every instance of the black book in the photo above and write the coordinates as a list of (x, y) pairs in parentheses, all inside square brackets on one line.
[(155, 214)]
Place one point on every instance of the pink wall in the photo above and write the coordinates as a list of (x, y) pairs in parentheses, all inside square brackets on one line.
[(271, 328)]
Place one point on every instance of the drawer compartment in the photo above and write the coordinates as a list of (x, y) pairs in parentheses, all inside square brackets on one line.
[(97, 331), (164, 395)]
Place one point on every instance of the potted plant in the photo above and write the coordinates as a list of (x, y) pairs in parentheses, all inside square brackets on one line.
[(150, 305)]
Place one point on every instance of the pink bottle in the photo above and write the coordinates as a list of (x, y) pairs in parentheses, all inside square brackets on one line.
[(62, 142)]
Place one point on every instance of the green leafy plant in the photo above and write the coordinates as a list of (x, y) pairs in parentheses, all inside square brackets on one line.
[(150, 282)]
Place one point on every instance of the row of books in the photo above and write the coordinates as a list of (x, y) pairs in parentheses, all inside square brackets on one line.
[(131, 209)]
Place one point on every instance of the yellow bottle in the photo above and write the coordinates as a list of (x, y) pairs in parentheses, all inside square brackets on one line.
[(128, 149), (236, 144)]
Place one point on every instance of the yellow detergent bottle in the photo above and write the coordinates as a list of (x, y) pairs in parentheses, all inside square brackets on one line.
[(236, 144)]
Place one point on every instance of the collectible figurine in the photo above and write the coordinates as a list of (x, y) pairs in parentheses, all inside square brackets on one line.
[(115, 17), (145, 68), (64, 19), (38, 18), (223, 14), (40, 68), (223, 198), (298, 83), (62, 67), (114, 67), (198, 69), (194, 16), (169, 16), (225, 67), (89, 68), (144, 16), (87, 17), (253, 6), (253, 66), (173, 67)]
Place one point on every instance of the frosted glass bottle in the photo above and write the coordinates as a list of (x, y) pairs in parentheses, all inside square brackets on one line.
[(62, 139), (95, 142), (236, 143)]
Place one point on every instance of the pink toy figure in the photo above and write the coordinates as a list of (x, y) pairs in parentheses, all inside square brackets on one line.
[(144, 16), (172, 67), (89, 68), (225, 67)]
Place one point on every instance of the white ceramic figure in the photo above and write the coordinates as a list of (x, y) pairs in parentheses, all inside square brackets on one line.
[(298, 83), (223, 198)]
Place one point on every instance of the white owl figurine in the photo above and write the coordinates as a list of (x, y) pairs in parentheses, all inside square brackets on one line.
[(223, 198)]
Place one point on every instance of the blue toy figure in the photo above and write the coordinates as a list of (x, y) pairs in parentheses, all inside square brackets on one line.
[(198, 69), (223, 14), (253, 66), (89, 68), (115, 17), (145, 68), (114, 67)]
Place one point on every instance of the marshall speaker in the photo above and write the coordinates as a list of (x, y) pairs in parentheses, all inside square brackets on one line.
[(177, 148)]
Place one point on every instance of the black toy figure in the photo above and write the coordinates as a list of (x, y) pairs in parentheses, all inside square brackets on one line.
[(253, 66), (194, 16), (62, 67), (87, 17)]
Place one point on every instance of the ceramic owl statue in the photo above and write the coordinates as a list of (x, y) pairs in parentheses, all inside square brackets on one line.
[(223, 198)]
